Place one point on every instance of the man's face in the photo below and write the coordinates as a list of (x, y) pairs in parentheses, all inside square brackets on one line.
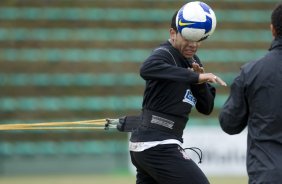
[(186, 48)]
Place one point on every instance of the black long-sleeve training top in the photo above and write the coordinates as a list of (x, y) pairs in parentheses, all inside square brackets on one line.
[(171, 88)]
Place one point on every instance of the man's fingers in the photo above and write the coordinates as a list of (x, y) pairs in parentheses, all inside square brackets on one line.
[(210, 77), (220, 81), (196, 67)]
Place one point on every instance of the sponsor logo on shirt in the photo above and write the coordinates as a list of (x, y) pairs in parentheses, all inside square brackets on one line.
[(189, 98), (162, 121)]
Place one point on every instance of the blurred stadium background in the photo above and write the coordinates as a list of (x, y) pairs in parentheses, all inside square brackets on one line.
[(74, 60)]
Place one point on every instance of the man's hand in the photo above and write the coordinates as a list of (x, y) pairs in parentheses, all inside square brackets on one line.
[(196, 68), (206, 77), (209, 77)]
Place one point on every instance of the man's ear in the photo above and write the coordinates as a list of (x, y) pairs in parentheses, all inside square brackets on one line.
[(274, 34), (172, 34)]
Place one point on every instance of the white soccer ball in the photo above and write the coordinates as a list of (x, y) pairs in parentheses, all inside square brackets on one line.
[(196, 21)]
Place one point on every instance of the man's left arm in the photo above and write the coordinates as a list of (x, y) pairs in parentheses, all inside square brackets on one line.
[(205, 95), (204, 92)]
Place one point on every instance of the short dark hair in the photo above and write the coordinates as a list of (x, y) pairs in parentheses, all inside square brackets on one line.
[(276, 19), (173, 21)]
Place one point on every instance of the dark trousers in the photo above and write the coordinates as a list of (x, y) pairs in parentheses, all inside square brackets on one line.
[(166, 164)]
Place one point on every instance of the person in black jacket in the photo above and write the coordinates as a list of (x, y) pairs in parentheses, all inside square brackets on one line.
[(255, 102), (175, 82)]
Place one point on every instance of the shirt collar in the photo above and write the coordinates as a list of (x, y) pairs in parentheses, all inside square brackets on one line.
[(276, 43)]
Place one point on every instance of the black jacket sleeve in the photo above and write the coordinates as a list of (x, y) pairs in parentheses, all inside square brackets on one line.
[(160, 66), (234, 114), (205, 94)]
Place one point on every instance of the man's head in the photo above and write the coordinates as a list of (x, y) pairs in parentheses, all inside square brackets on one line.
[(186, 48), (276, 21)]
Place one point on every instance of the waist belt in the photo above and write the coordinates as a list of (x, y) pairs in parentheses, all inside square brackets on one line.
[(167, 123)]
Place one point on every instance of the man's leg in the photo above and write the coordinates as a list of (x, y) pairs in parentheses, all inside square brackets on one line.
[(141, 177), (169, 164)]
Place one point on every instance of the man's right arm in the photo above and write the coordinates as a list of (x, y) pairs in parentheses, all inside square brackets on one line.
[(160, 66), (234, 114)]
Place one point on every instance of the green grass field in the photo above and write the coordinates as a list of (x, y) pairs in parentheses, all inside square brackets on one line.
[(98, 179)]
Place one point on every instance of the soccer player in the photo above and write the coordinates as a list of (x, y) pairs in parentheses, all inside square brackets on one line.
[(255, 101), (175, 82)]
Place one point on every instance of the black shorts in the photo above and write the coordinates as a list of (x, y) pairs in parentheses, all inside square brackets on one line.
[(166, 164)]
